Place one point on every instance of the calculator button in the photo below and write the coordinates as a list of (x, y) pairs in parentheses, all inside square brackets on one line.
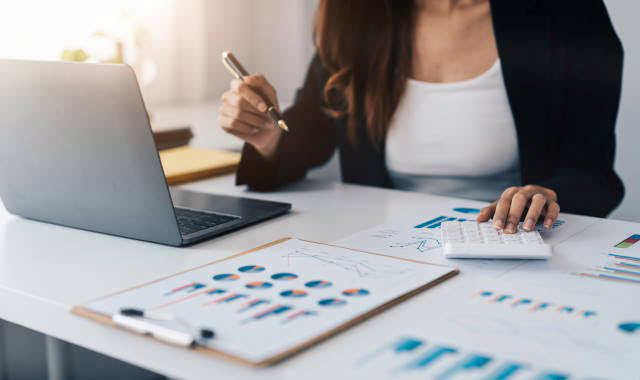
[(482, 240)]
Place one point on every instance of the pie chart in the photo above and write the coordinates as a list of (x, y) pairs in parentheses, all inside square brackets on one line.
[(226, 277), (355, 292), (318, 284), (331, 302), (259, 285), (293, 293), (284, 276), (629, 327), (251, 269)]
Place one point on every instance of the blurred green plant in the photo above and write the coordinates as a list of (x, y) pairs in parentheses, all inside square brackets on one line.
[(74, 55)]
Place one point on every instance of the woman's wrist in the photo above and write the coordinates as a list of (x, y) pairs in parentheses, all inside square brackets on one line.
[(268, 147)]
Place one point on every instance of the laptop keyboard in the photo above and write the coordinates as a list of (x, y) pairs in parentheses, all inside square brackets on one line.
[(190, 221)]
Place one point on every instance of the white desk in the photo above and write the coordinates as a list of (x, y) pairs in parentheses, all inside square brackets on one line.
[(46, 269)]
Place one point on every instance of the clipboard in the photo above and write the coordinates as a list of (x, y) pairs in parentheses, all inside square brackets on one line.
[(443, 273)]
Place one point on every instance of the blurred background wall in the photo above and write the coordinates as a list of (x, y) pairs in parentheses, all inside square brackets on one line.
[(624, 15), (175, 48)]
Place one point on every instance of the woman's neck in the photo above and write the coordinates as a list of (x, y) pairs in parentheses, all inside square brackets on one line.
[(445, 7)]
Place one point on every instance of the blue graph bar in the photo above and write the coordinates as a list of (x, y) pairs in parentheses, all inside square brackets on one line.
[(521, 301), (505, 371), (402, 345), (469, 363), (423, 225), (624, 257), (467, 210), (437, 225), (630, 265), (408, 345), (431, 356), (503, 298), (624, 271), (552, 376), (542, 306), (619, 278)]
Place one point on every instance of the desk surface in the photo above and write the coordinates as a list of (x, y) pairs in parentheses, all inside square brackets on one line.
[(46, 269)]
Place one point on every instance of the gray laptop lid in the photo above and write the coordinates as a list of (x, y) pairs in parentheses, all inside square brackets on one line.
[(76, 149)]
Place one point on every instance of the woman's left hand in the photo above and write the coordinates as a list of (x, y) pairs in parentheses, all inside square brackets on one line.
[(507, 211)]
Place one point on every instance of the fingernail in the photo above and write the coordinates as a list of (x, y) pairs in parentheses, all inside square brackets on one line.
[(511, 228), (499, 224), (262, 107), (528, 225), (547, 223)]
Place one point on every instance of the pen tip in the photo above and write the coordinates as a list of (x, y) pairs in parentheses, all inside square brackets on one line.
[(283, 125)]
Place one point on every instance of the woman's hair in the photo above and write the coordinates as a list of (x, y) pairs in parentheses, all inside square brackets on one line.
[(367, 48)]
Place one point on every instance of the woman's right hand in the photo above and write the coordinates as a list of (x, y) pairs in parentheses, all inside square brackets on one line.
[(243, 114)]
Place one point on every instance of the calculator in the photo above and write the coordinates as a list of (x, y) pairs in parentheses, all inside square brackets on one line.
[(472, 240)]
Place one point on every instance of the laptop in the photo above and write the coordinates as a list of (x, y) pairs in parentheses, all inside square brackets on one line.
[(76, 149)]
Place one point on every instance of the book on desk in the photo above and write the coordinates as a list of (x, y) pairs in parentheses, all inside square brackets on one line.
[(182, 163)]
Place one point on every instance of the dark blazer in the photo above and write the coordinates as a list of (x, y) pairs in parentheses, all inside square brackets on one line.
[(562, 66)]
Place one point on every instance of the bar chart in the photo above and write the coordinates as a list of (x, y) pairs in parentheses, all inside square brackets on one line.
[(617, 268), (413, 356)]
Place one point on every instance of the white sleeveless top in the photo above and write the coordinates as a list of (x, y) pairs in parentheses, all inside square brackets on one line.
[(455, 139)]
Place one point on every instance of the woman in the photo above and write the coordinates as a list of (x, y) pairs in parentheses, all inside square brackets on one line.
[(507, 101)]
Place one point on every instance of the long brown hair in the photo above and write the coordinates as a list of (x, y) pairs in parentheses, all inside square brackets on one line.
[(367, 48)]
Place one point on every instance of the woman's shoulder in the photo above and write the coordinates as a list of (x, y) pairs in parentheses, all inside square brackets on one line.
[(586, 20), (576, 20), (564, 12)]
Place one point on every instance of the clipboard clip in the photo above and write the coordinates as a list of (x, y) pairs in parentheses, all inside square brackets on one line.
[(141, 322)]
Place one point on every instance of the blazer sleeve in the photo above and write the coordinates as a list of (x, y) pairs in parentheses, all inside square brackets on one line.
[(584, 178), (310, 142)]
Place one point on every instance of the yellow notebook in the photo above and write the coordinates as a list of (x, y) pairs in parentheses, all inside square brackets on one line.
[(186, 164)]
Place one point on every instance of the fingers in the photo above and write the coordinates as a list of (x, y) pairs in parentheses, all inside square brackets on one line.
[(249, 138), (553, 210), (486, 213), (232, 124), (233, 99), (263, 87), (259, 121), (249, 94), (538, 203), (518, 204), (502, 207), (255, 90), (243, 114)]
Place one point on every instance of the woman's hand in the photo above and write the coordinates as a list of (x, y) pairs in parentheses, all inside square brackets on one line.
[(243, 114), (509, 209)]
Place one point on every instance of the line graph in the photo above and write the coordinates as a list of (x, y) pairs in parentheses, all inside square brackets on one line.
[(362, 267), (537, 334), (420, 244)]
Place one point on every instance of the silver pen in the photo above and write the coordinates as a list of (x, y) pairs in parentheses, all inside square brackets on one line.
[(162, 333), (142, 322), (235, 67)]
